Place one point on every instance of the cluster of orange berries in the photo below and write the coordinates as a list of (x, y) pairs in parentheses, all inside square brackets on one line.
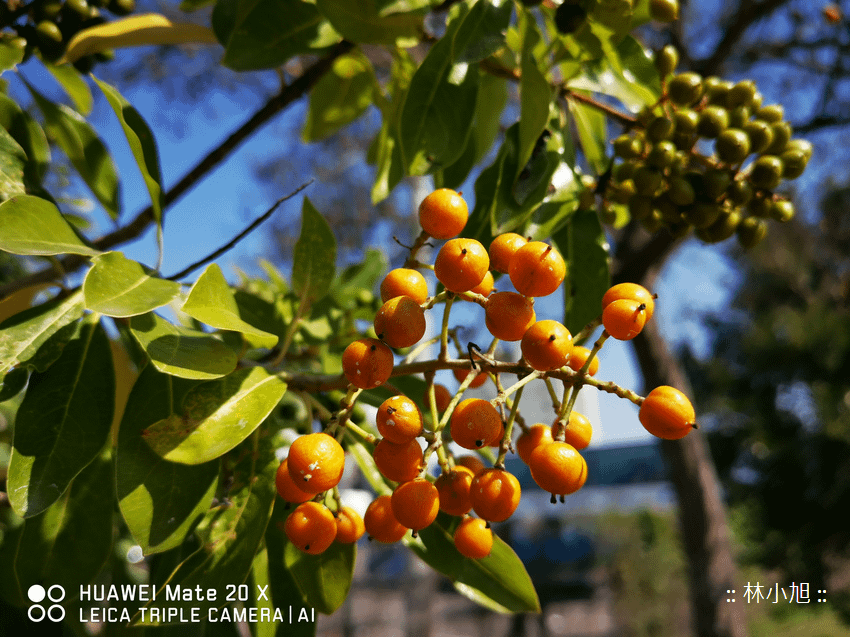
[(464, 267)]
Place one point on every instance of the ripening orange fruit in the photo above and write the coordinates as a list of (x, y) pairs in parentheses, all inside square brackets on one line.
[(546, 345), (537, 269), (495, 494), (480, 377), (473, 463), (380, 522), (349, 526), (578, 431), (531, 438), (287, 488), (404, 282), (461, 264), (367, 363), (624, 319), (311, 527), (399, 419), (475, 424), (453, 489), (443, 214), (316, 462), (486, 286), (508, 315), (473, 538), (415, 504), (399, 463), (442, 396), (578, 357), (502, 250), (667, 413), (400, 322), (558, 468), (631, 291)]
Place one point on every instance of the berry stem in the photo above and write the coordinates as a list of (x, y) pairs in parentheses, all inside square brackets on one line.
[(291, 329), (509, 426), (420, 241), (444, 332), (587, 329), (515, 387)]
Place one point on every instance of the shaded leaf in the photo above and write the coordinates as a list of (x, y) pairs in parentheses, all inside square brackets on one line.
[(74, 86), (535, 95), (340, 96), (13, 159), (193, 5), (63, 422), (590, 124), (180, 351), (11, 52), (12, 383), (359, 21), (118, 286), (32, 225), (359, 277), (314, 256), (215, 416), (159, 500), (27, 132), (324, 580)]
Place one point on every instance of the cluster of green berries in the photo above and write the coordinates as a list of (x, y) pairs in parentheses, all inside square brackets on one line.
[(46, 26), (667, 175)]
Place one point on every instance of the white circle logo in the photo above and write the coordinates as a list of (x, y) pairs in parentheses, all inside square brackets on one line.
[(36, 595)]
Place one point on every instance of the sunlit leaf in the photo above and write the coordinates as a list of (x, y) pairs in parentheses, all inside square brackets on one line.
[(74, 86), (340, 96), (13, 160), (32, 225), (535, 95), (592, 131), (11, 52), (118, 286), (27, 132), (324, 579)]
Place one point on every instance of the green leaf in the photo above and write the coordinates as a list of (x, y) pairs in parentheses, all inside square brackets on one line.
[(284, 29), (314, 257), (12, 383), (25, 333), (63, 422), (13, 160), (142, 145), (388, 7), (360, 277), (180, 351), (27, 132), (535, 95), (584, 246), (498, 582), (324, 580), (482, 31), (74, 86), (340, 96), (359, 21), (11, 52), (215, 416), (492, 98), (211, 301), (590, 124), (118, 286), (84, 149), (231, 533), (159, 500), (69, 543), (32, 225)]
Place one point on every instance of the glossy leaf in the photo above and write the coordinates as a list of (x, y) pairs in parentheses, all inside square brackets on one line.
[(324, 579), (215, 416), (84, 149), (27, 132), (118, 286), (590, 124), (583, 244), (181, 351), (314, 256), (25, 333), (32, 225), (74, 86), (11, 53), (142, 145), (340, 96), (211, 301), (159, 500), (286, 29), (69, 543), (359, 21), (13, 159), (535, 95), (63, 422)]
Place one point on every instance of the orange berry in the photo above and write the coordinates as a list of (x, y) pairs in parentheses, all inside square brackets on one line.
[(558, 468), (399, 463), (532, 438), (473, 463), (349, 526), (578, 431), (624, 319), (380, 522), (415, 503), (578, 357), (502, 250), (508, 315), (311, 527), (480, 377), (399, 419), (443, 214), (494, 494), (667, 413), (442, 396), (537, 269), (473, 538), (546, 345), (475, 424), (287, 488), (630, 291), (367, 363), (461, 264), (404, 282), (400, 322), (453, 489), (486, 286), (316, 462)]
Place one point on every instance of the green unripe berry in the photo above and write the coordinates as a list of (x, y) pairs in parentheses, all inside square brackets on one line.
[(740, 192), (712, 121), (741, 94), (122, 7), (766, 172), (782, 210), (685, 88), (715, 182), (781, 136), (622, 192), (569, 18), (628, 147), (723, 228), (80, 7), (666, 60), (647, 181), (757, 101), (739, 116), (793, 163), (751, 231), (625, 170), (760, 206), (652, 223), (681, 192), (702, 215), (803, 145), (662, 155), (48, 33), (664, 10), (760, 135), (772, 113), (717, 90), (668, 210), (640, 207), (659, 129), (732, 146), (48, 10)]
